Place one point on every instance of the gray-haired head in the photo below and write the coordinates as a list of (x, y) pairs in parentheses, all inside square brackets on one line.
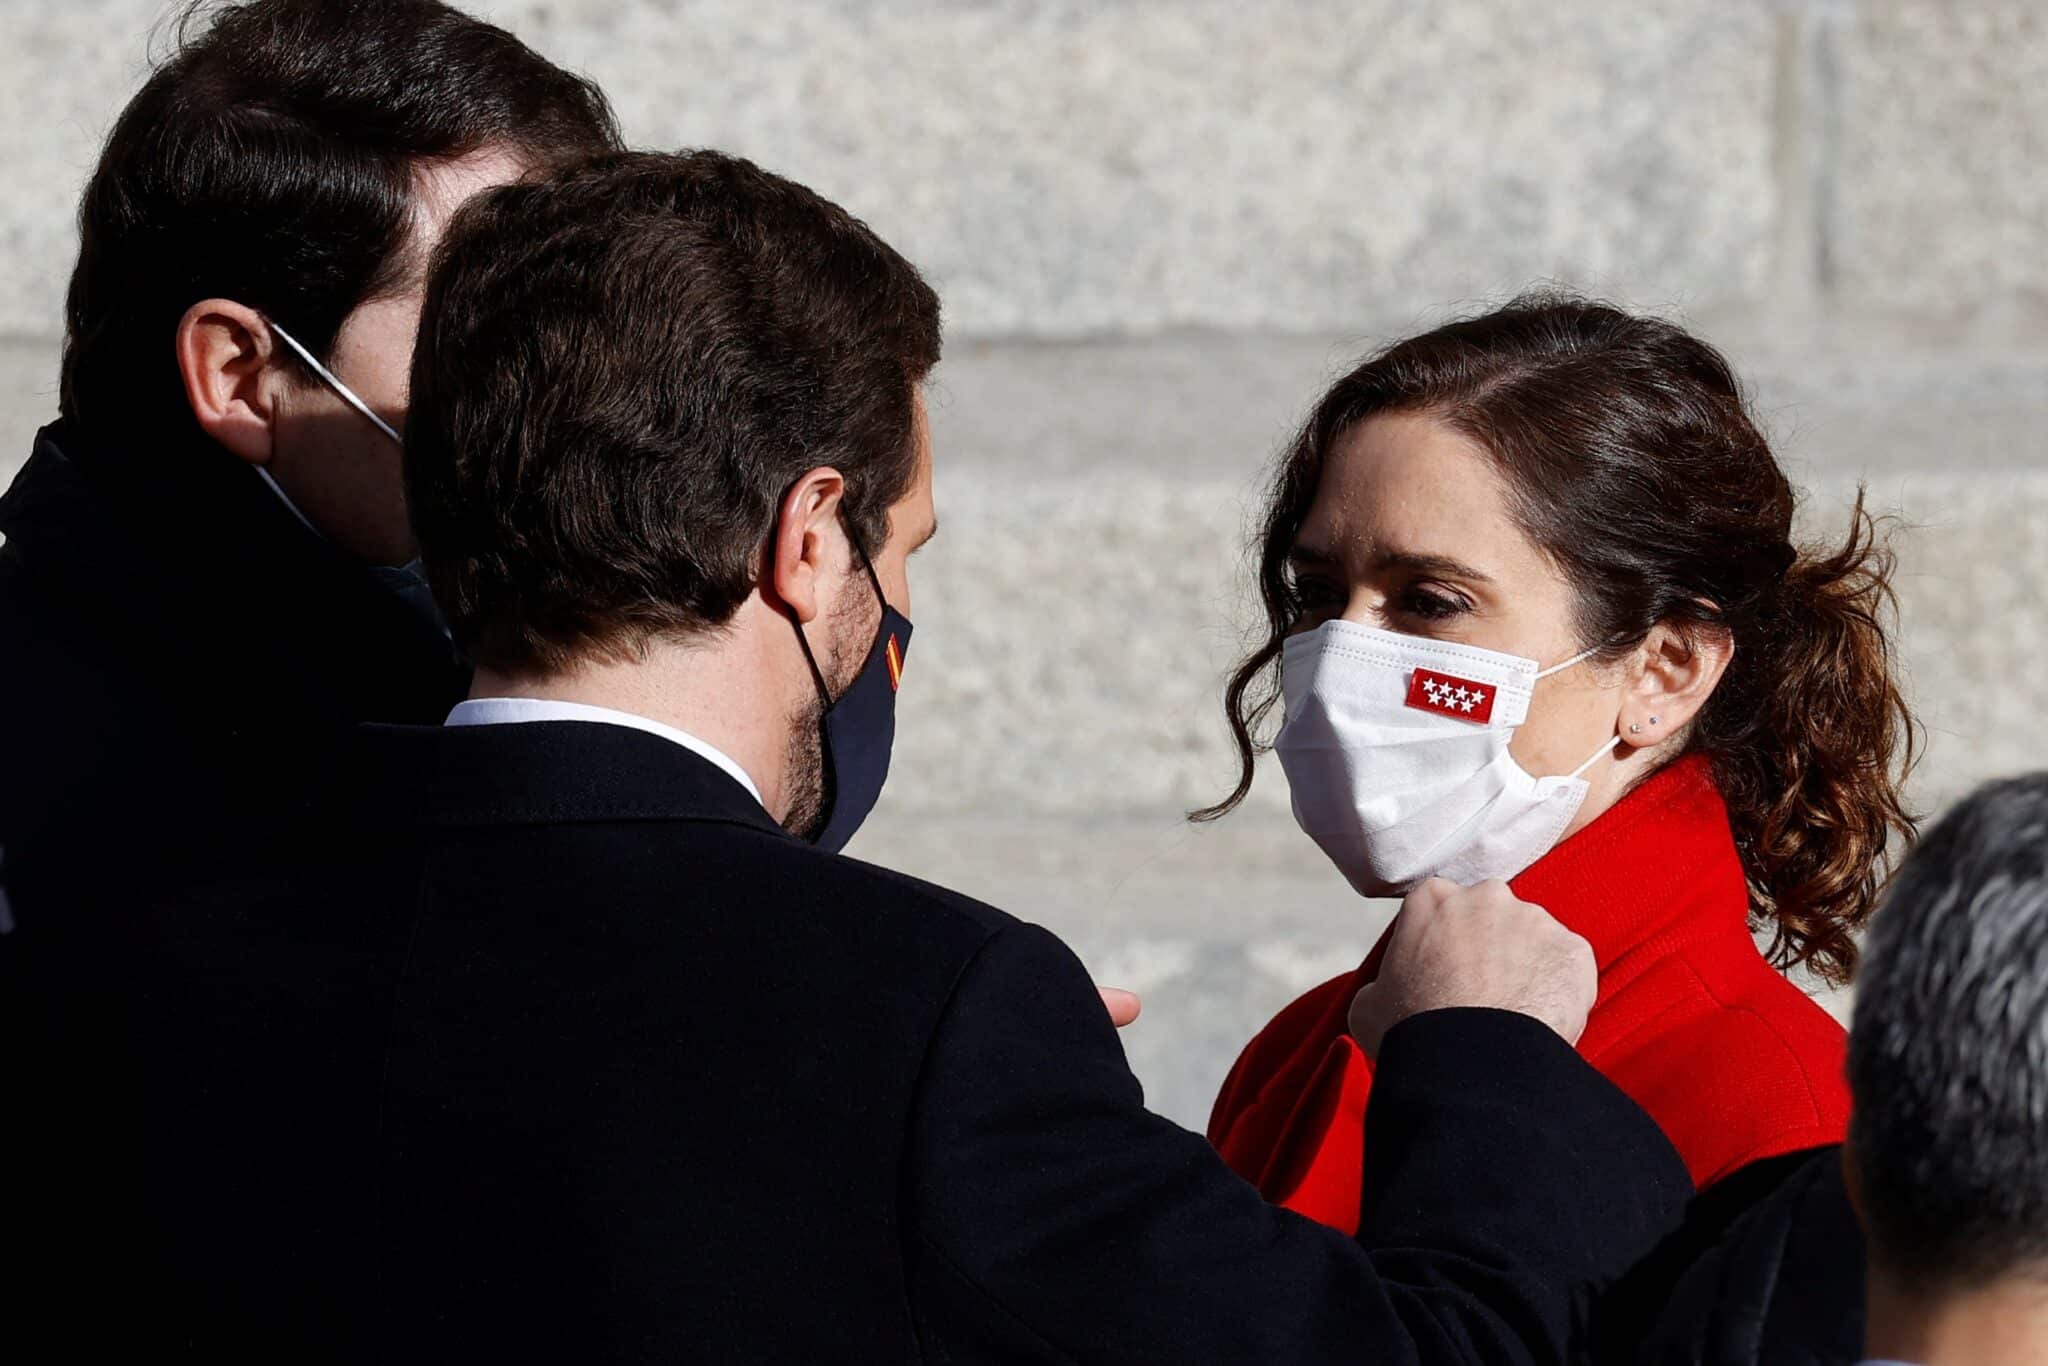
[(1948, 1058)]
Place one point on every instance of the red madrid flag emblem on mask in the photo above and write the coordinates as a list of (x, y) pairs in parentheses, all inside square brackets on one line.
[(1448, 695)]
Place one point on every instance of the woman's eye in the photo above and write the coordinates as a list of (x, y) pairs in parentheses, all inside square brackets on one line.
[(1312, 595), (1429, 604)]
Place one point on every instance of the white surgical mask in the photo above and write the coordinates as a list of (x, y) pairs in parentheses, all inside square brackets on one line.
[(1396, 751)]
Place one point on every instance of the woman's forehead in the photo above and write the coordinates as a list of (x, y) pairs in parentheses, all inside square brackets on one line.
[(1409, 482)]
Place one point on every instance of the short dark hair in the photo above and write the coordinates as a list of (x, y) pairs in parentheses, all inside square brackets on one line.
[(1948, 1059), (621, 370), (269, 159)]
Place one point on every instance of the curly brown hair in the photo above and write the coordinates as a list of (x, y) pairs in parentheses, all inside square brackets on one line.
[(1632, 460)]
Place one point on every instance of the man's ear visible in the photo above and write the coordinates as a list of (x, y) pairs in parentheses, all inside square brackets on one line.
[(808, 543), (225, 356), (1679, 673)]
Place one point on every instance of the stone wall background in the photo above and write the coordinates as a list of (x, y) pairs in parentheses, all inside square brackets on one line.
[(1161, 225)]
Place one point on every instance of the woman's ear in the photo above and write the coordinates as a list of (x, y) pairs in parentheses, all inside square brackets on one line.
[(808, 543), (1679, 671), (225, 355)]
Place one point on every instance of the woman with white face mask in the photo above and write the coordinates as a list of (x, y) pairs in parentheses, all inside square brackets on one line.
[(1536, 615)]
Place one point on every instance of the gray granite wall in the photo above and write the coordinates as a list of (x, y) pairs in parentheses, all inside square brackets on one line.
[(1160, 226)]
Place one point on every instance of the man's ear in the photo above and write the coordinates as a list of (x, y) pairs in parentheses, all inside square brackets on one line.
[(809, 546), (225, 357), (1679, 671)]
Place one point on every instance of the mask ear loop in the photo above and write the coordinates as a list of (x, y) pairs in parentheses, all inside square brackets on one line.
[(818, 674), (866, 562), (1607, 747), (1597, 755), (1560, 668), (333, 382), (803, 641)]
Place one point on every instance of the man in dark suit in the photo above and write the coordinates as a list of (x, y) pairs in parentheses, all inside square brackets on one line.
[(1924, 1238), (1946, 1162), (205, 572), (204, 581), (585, 1043)]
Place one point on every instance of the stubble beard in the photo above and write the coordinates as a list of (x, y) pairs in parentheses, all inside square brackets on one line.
[(804, 763), (809, 782)]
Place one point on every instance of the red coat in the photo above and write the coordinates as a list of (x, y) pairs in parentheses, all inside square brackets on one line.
[(1733, 1062)]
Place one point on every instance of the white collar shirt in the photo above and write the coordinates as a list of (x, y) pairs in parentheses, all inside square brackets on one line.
[(500, 711)]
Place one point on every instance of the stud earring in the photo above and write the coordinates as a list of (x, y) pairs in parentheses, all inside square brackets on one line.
[(1634, 729), (1653, 720)]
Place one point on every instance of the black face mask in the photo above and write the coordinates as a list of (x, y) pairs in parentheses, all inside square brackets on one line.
[(860, 725)]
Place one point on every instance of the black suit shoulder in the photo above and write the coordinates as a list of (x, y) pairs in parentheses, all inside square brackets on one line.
[(694, 1042), (1766, 1270), (182, 657), (74, 719), (976, 918), (701, 865)]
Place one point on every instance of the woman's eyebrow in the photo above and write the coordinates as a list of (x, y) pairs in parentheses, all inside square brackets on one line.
[(1316, 557), (1417, 562)]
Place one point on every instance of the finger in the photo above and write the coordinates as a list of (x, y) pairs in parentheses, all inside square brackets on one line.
[(1123, 1006), (1429, 895), (1435, 890)]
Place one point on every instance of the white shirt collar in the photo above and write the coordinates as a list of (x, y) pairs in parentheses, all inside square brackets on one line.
[(498, 711)]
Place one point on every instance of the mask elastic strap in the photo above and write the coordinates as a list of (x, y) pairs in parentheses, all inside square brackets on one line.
[(818, 674), (866, 561), (285, 498), (1597, 756), (333, 382), (1560, 668)]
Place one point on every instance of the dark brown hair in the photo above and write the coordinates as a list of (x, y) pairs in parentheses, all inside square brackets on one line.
[(269, 159), (1633, 463), (621, 370)]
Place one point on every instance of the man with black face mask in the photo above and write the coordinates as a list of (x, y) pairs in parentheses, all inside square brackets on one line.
[(584, 1044)]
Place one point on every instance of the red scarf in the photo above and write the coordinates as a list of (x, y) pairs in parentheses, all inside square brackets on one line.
[(1733, 1062)]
